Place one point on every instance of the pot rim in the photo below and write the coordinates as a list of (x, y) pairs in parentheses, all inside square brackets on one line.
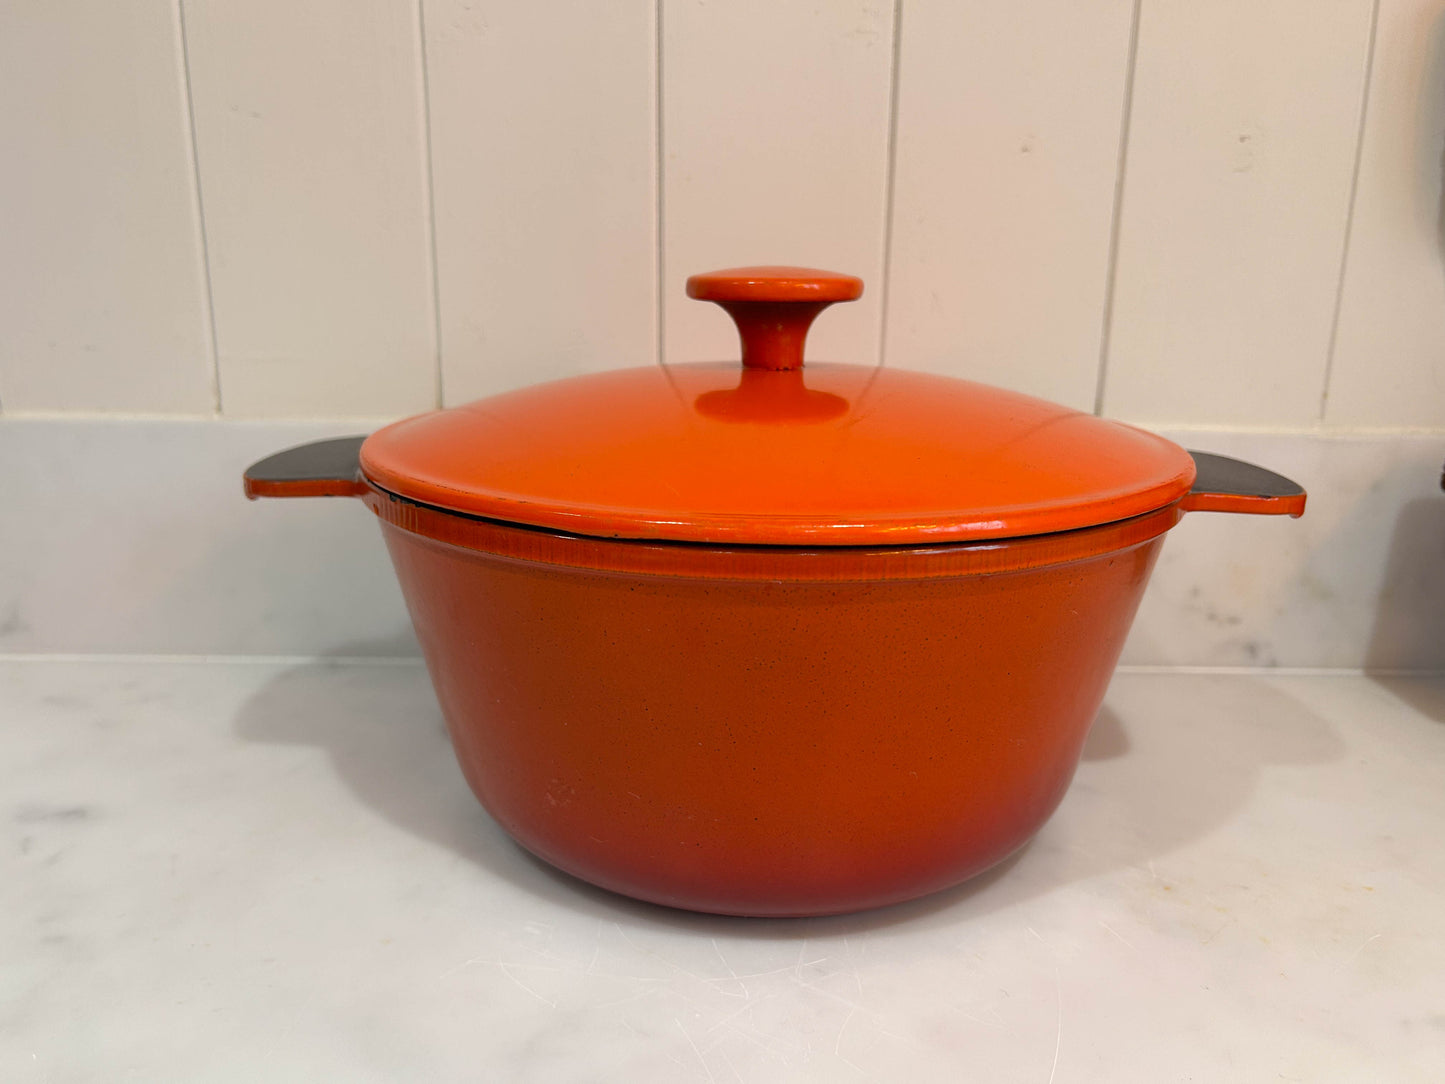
[(753, 562)]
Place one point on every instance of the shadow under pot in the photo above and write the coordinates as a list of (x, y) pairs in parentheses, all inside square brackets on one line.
[(777, 641)]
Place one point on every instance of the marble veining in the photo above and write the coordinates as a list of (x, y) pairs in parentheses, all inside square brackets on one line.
[(246, 871), (1356, 582)]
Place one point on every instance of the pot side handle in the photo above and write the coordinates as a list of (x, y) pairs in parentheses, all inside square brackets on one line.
[(1222, 484), (323, 468)]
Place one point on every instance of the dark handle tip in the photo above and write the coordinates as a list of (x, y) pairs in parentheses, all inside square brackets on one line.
[(323, 468), (1222, 484)]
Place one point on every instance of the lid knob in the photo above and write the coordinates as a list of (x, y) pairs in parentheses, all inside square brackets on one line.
[(773, 307)]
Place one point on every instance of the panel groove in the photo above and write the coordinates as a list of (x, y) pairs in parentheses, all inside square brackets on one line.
[(1388, 363), (1120, 177), (199, 206), (1350, 211), (1242, 144), (311, 153), (104, 303), (1005, 181), (890, 177), (543, 160), (659, 165), (429, 193)]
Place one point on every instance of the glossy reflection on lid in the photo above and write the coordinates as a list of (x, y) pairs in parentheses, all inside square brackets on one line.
[(769, 397), (827, 455)]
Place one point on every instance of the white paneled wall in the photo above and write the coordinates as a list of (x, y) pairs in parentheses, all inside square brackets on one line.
[(1389, 364), (544, 156), (310, 134), (1007, 155), (775, 118), (1237, 192), (1209, 214), (102, 282)]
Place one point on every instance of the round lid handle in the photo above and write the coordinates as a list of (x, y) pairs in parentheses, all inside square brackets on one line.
[(773, 307)]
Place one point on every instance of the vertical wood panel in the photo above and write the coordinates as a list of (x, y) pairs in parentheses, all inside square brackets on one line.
[(1389, 363), (102, 293), (543, 122), (1236, 196), (775, 150), (1008, 147), (309, 129)]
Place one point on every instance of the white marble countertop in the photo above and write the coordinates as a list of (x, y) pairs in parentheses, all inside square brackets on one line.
[(242, 871)]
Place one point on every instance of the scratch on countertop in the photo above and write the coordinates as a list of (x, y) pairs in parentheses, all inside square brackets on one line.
[(1363, 944), (722, 1053), (1227, 922), (829, 994), (733, 975), (696, 1052), (967, 1016), (524, 987), (1059, 1031), (1116, 933), (838, 1042), (730, 1017), (766, 1047), (853, 965)]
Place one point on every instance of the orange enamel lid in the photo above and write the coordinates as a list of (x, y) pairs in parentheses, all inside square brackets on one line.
[(773, 453)]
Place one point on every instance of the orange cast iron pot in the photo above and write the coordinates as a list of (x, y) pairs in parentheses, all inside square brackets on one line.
[(746, 708)]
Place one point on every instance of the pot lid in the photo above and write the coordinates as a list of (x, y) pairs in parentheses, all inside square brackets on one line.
[(773, 453)]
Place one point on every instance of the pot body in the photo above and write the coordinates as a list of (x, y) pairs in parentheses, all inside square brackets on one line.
[(800, 739)]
